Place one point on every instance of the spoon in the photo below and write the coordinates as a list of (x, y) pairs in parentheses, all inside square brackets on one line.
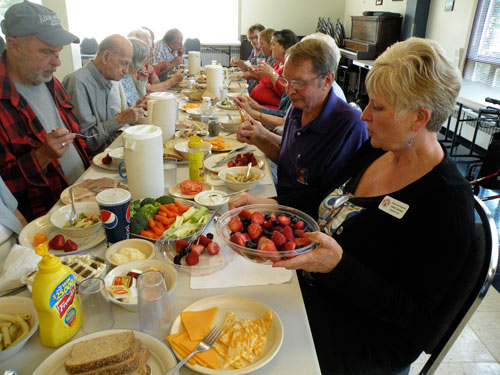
[(74, 216), (248, 172)]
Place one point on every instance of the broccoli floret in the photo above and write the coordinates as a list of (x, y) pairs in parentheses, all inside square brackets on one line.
[(134, 206), (166, 199), (138, 222), (146, 201), (149, 210)]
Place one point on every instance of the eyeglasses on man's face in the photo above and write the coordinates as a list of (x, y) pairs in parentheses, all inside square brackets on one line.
[(297, 85)]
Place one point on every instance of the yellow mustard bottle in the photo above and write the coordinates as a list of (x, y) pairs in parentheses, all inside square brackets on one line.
[(195, 158), (56, 300)]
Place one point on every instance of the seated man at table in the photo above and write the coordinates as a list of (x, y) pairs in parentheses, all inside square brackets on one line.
[(321, 131), (90, 86), (39, 154), (168, 53)]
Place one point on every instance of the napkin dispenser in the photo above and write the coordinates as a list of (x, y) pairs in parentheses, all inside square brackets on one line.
[(143, 150)]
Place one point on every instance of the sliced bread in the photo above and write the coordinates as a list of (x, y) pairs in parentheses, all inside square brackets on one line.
[(101, 351), (130, 365), (143, 369)]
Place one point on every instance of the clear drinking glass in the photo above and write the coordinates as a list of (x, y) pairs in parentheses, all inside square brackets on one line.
[(169, 172), (155, 315), (96, 309)]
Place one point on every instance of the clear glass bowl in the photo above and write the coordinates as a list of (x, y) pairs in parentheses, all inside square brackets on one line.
[(207, 265), (259, 256)]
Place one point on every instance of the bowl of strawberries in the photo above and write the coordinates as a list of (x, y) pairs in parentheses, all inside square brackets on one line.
[(266, 233)]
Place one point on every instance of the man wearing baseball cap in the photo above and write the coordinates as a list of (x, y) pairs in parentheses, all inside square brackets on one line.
[(39, 154)]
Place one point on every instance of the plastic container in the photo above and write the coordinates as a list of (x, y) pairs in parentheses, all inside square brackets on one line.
[(195, 158), (56, 300)]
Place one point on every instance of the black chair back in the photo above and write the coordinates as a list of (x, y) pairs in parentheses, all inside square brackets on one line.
[(470, 288)]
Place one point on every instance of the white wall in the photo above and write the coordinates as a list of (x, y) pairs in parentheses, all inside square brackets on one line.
[(451, 29), (300, 16)]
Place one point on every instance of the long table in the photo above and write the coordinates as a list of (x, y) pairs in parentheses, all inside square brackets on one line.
[(297, 354)]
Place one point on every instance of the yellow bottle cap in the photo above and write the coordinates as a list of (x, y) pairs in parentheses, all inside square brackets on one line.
[(195, 142), (49, 262)]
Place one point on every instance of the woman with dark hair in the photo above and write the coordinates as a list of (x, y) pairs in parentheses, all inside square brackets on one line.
[(269, 91)]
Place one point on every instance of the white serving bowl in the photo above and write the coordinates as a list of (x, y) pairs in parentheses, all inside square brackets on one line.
[(231, 124), (144, 246), (182, 147), (18, 305), (60, 217), (200, 198), (169, 272), (236, 186)]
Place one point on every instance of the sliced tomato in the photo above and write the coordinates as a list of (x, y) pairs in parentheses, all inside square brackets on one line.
[(191, 187)]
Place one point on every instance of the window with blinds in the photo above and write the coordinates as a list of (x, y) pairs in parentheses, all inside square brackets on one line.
[(483, 57)]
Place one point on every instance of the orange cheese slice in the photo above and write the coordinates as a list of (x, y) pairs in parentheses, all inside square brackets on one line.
[(172, 341), (198, 323)]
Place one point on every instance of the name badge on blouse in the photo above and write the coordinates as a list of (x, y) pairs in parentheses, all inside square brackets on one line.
[(393, 207)]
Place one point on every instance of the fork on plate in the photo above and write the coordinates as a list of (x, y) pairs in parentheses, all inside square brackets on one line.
[(205, 344)]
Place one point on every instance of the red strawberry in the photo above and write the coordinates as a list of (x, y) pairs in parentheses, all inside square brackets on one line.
[(289, 246), (244, 160), (213, 248), (240, 164), (258, 218), (235, 225), (238, 239), (245, 214), (246, 236), (192, 258), (253, 161), (57, 243), (231, 164), (70, 246), (300, 233), (254, 230), (277, 228), (268, 224), (268, 246), (180, 245), (204, 240), (278, 238), (284, 220), (248, 155), (261, 241), (288, 233), (302, 241), (200, 249), (299, 225)]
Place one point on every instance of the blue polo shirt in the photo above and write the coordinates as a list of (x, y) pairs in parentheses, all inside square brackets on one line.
[(313, 154)]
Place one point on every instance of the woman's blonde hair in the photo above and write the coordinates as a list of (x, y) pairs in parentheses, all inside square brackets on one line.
[(416, 73), (266, 35)]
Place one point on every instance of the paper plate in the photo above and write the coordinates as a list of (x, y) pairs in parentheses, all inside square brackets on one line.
[(110, 167), (233, 144), (160, 358), (176, 190), (42, 225), (244, 308)]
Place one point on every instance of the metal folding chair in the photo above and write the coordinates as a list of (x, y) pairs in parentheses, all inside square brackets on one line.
[(470, 288)]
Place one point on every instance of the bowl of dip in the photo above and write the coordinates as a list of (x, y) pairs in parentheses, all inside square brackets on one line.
[(211, 198)]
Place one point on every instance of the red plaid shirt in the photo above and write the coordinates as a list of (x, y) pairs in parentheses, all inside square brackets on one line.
[(21, 133)]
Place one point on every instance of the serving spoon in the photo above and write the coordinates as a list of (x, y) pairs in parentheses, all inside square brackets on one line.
[(248, 172)]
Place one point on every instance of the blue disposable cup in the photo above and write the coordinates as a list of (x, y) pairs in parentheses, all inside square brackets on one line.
[(115, 213)]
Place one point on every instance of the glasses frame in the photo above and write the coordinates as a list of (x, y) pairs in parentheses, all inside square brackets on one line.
[(285, 83)]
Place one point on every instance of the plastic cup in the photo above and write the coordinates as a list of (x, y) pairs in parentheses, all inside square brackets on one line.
[(260, 59), (155, 315), (96, 309), (169, 172), (115, 213)]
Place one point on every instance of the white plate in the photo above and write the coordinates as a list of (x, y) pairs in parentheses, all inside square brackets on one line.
[(211, 161), (117, 153), (42, 225), (229, 106), (244, 308), (234, 144), (160, 359), (110, 167), (176, 190)]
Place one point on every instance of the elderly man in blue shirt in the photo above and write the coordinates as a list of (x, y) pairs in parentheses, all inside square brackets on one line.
[(321, 131)]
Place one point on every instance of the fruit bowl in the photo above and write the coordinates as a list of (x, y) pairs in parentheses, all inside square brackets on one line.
[(208, 264), (287, 244)]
